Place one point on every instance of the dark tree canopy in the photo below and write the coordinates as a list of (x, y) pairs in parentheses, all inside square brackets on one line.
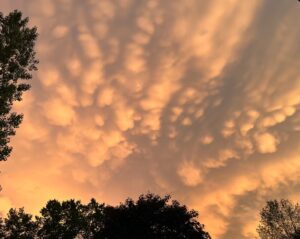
[(62, 220), (17, 61), (150, 217), (18, 225), (280, 220)]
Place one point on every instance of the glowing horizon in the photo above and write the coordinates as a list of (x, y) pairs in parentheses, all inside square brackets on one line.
[(197, 99)]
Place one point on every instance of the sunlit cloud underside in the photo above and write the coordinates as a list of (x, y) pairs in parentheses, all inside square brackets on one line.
[(199, 99)]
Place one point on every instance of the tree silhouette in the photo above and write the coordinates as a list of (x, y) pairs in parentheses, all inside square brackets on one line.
[(149, 217), (152, 217), (94, 214), (71, 219), (17, 61), (18, 225), (61, 220), (280, 220)]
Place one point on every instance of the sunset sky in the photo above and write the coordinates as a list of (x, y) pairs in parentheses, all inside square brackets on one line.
[(194, 98)]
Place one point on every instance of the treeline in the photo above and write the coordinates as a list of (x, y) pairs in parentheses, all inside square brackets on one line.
[(149, 217)]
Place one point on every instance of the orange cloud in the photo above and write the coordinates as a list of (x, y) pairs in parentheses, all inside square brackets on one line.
[(195, 98)]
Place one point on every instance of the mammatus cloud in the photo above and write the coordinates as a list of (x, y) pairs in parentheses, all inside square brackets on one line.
[(199, 99)]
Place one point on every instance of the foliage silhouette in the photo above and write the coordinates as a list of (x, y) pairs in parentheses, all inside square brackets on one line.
[(280, 220), (151, 216), (17, 61), (18, 225), (61, 220)]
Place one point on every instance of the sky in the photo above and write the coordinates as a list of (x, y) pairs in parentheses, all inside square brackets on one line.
[(197, 99)]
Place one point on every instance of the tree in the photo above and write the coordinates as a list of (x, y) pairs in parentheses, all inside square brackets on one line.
[(18, 225), (152, 217), (61, 220), (17, 61), (149, 217), (71, 219), (94, 215), (280, 220)]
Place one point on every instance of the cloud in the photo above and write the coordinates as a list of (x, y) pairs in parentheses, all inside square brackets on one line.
[(266, 143), (190, 175), (199, 99), (59, 113)]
